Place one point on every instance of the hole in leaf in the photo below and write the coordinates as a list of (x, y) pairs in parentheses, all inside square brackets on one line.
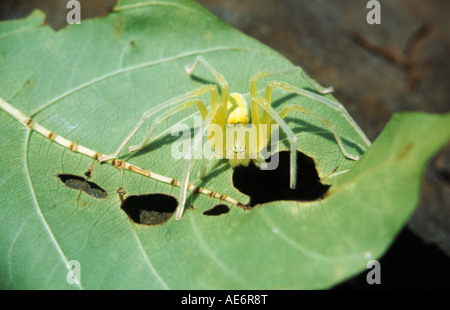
[(149, 209), (270, 185), (217, 210), (79, 183)]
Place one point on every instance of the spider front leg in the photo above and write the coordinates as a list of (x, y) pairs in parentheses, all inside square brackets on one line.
[(224, 88), (212, 114), (187, 104), (207, 116), (164, 106)]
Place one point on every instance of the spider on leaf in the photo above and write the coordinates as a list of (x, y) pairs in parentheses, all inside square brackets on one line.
[(232, 109)]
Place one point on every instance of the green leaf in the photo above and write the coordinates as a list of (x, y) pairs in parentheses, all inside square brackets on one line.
[(91, 82)]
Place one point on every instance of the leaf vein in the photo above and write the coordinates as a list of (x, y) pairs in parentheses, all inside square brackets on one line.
[(132, 68), (152, 268), (38, 209), (211, 254)]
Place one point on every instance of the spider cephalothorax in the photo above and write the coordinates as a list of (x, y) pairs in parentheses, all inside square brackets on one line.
[(241, 143)]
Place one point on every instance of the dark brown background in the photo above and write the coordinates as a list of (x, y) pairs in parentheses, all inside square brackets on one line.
[(376, 70)]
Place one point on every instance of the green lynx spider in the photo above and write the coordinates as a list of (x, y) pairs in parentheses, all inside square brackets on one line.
[(233, 109)]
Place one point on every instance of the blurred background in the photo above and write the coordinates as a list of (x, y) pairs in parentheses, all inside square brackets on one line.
[(399, 65)]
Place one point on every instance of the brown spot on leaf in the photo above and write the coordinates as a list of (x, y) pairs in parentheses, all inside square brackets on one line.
[(405, 152)]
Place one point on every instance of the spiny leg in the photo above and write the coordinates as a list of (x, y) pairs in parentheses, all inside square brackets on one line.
[(207, 116), (290, 134), (217, 114), (333, 174), (188, 162), (206, 164), (293, 107), (332, 104), (165, 105), (263, 74), (224, 88), (268, 111), (187, 104), (223, 83)]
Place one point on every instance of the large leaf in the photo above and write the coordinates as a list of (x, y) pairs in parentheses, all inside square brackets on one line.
[(91, 82)]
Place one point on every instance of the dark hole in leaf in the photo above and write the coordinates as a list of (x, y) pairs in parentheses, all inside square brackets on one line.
[(217, 210), (149, 209), (88, 174), (270, 185), (79, 183)]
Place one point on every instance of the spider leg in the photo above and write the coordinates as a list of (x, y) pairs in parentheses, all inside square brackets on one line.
[(217, 114), (223, 83), (332, 175), (187, 104), (224, 88), (164, 106), (253, 90), (290, 134), (332, 104), (263, 74), (267, 133), (260, 162), (188, 162), (206, 164), (293, 107)]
